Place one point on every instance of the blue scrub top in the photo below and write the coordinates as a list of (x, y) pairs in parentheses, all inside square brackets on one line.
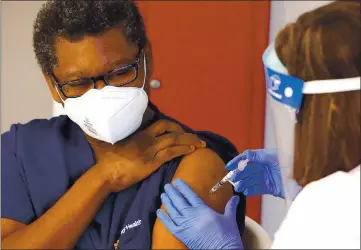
[(42, 159)]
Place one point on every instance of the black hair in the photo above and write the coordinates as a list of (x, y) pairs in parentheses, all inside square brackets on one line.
[(73, 20)]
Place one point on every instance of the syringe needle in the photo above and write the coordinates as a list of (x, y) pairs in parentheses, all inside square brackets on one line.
[(215, 188), (221, 182), (241, 166)]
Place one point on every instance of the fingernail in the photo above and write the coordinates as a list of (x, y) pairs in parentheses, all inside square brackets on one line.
[(167, 186), (162, 195), (192, 148), (176, 182), (203, 143)]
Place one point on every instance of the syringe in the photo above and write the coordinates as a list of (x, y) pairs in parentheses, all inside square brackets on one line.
[(241, 166)]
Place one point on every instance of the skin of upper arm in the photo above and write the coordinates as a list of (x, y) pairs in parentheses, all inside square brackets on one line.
[(201, 170), (10, 226)]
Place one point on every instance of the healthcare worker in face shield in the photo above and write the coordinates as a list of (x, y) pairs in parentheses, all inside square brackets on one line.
[(313, 78)]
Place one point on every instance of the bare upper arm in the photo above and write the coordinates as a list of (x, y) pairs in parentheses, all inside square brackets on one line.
[(10, 226), (200, 170)]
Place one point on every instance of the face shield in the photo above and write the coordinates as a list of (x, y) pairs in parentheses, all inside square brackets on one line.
[(286, 94)]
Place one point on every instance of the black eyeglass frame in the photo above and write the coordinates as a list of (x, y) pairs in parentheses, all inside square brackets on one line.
[(102, 77)]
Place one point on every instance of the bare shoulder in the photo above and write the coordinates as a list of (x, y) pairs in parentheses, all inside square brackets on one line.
[(200, 170), (202, 159)]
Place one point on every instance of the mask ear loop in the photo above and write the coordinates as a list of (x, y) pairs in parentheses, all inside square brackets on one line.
[(145, 69), (57, 91)]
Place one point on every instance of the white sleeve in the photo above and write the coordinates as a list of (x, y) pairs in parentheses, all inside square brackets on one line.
[(325, 215)]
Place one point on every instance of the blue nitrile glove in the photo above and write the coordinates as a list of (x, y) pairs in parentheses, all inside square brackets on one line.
[(195, 224), (261, 176)]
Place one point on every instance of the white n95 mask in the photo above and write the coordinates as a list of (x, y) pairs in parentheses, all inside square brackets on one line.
[(109, 114)]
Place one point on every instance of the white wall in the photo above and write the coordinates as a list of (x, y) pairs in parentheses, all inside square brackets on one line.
[(24, 93), (282, 12)]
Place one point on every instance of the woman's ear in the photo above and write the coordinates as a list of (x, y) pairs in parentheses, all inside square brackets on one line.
[(52, 88)]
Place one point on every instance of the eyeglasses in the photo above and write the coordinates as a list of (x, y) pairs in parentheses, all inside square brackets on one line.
[(116, 77)]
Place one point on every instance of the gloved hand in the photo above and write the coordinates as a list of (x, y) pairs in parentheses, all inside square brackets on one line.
[(261, 176), (194, 223)]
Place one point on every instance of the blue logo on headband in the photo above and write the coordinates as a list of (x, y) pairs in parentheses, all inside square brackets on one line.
[(284, 88)]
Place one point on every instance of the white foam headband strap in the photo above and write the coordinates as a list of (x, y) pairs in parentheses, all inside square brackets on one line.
[(332, 86)]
